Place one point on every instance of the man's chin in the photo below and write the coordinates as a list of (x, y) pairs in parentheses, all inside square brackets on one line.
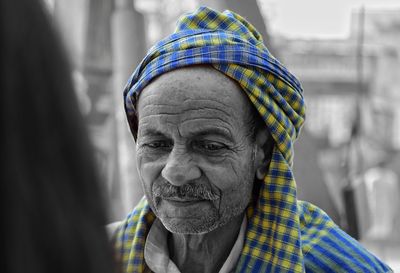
[(189, 217), (195, 226)]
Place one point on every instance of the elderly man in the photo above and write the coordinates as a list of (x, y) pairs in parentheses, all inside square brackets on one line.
[(214, 117)]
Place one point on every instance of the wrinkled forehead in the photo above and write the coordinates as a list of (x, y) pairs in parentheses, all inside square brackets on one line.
[(196, 87)]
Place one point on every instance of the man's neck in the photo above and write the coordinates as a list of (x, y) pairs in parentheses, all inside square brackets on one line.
[(204, 252)]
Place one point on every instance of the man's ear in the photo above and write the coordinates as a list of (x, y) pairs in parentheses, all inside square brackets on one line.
[(264, 144)]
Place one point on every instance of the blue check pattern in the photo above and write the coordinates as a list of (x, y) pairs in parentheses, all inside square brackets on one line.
[(283, 234)]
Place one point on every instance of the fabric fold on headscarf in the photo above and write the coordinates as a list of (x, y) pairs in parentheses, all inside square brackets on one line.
[(233, 46)]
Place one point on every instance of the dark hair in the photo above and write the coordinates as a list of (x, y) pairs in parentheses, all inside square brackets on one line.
[(53, 213)]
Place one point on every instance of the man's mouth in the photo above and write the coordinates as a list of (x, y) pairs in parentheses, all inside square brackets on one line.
[(185, 203), (183, 199), (186, 193)]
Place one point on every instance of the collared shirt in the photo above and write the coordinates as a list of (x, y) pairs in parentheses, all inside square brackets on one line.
[(156, 252)]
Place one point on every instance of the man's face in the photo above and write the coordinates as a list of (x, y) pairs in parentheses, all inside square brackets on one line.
[(195, 152)]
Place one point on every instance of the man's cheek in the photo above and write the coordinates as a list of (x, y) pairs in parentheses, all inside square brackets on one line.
[(224, 177), (148, 174), (149, 170)]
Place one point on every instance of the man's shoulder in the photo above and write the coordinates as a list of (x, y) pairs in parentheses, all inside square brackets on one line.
[(327, 248)]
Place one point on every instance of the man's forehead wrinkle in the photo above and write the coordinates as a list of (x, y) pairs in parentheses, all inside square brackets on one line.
[(166, 98), (212, 117), (149, 99), (215, 121), (187, 78), (198, 107), (207, 111), (189, 107), (209, 100), (158, 102), (149, 110), (158, 116), (207, 125)]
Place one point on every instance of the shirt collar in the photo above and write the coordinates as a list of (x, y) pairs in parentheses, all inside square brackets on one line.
[(156, 252)]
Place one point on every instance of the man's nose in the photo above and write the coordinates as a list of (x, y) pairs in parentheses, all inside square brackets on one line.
[(180, 168)]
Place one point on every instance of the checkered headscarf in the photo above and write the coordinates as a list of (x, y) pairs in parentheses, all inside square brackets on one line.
[(233, 46)]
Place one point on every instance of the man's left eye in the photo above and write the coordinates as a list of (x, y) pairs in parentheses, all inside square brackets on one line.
[(208, 145)]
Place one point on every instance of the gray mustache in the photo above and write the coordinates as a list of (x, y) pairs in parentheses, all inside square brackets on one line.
[(187, 192)]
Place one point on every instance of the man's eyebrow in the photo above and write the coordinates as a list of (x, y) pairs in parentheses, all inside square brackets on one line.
[(151, 132), (213, 131)]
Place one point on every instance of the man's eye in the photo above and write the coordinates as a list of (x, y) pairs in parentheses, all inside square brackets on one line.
[(210, 146), (158, 144)]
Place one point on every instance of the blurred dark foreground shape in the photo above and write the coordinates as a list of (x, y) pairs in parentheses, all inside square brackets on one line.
[(53, 213)]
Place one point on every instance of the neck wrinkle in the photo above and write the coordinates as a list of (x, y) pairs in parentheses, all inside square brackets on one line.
[(190, 251)]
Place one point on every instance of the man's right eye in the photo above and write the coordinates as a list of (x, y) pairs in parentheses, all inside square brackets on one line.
[(158, 144)]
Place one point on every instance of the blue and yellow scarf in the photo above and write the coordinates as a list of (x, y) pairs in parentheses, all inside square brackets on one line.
[(283, 234)]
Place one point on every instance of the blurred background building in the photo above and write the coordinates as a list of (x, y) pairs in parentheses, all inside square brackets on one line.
[(347, 159)]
